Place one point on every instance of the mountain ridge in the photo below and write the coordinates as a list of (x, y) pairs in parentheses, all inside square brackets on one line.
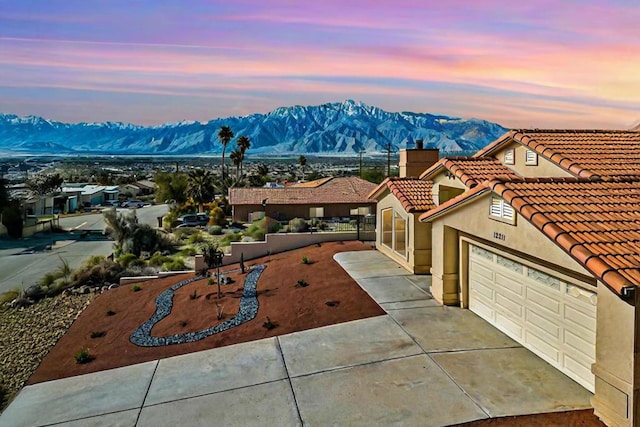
[(346, 127)]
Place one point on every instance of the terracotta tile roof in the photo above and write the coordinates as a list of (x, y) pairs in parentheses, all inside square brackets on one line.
[(597, 223), (414, 194), (336, 190), (591, 154), (471, 170)]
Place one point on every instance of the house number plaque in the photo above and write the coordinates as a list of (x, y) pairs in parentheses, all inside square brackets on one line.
[(499, 236)]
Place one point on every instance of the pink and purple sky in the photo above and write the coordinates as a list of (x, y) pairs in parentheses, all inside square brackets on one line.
[(535, 63)]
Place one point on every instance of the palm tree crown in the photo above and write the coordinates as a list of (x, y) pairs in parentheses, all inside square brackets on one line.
[(201, 187), (244, 143), (225, 135)]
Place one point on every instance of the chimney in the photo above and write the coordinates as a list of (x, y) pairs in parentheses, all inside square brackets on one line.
[(417, 160)]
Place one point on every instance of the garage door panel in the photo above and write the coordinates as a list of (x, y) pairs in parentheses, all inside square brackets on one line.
[(579, 370), (482, 271), (510, 284), (542, 348), (582, 344), (482, 289), (579, 319), (551, 317), (504, 304), (543, 302), (543, 324), (509, 326)]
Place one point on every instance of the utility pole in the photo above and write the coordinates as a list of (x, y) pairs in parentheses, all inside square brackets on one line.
[(388, 159), (361, 151)]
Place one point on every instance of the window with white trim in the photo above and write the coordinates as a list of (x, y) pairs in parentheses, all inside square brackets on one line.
[(501, 209), (531, 158), (510, 157), (394, 231)]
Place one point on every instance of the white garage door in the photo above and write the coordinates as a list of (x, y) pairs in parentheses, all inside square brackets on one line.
[(551, 317)]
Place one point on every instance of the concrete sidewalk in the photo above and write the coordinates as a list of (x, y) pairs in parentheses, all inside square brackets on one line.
[(421, 364)]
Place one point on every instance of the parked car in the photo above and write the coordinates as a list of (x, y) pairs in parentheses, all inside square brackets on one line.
[(132, 204), (193, 220)]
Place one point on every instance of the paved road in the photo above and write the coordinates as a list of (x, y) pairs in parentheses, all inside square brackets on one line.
[(24, 261)]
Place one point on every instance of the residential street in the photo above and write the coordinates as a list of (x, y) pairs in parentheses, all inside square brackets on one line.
[(24, 261)]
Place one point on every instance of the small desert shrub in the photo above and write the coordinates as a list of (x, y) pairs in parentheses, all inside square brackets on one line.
[(230, 237), (256, 231), (183, 323), (97, 271), (126, 259), (269, 324), (194, 295), (49, 278), (196, 238), (9, 295), (302, 283), (219, 311), (98, 334), (305, 260), (158, 259), (83, 356), (215, 230), (298, 225), (175, 265), (217, 217), (188, 251), (136, 288), (111, 313)]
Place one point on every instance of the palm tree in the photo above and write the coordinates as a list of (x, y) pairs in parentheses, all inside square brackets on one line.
[(244, 143), (302, 161), (237, 156), (225, 135), (201, 187), (263, 170)]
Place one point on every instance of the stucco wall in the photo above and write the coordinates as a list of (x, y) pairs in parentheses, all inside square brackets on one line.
[(545, 168), (442, 180), (473, 220), (281, 242), (418, 258)]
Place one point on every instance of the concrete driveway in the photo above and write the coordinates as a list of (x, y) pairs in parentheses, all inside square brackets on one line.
[(420, 364)]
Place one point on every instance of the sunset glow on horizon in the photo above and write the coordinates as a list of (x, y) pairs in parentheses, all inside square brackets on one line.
[(542, 63)]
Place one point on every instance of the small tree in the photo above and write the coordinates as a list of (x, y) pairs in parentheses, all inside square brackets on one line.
[(213, 257), (302, 161)]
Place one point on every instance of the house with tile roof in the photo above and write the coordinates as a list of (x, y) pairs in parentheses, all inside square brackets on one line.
[(538, 233), (323, 198)]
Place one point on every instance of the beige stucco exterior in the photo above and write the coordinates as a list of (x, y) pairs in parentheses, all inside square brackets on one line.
[(418, 255), (543, 168), (617, 377), (413, 162), (446, 186)]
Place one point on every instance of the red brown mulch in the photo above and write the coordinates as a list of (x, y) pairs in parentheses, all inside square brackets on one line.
[(583, 418), (292, 308)]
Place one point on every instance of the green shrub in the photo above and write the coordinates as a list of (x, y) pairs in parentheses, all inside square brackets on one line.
[(298, 225), (176, 264), (302, 283), (94, 260), (106, 271), (230, 237), (136, 288), (215, 230), (126, 259), (170, 220), (98, 334), (256, 231), (305, 260), (158, 259), (196, 238), (188, 251), (217, 217), (49, 278), (83, 356), (9, 296)]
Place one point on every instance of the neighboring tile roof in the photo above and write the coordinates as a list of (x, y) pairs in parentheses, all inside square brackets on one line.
[(471, 170), (591, 154), (414, 194), (336, 190), (597, 223)]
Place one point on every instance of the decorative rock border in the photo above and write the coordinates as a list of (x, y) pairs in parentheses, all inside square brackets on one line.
[(248, 310)]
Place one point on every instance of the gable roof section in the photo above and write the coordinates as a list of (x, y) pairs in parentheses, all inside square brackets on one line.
[(590, 154), (596, 223), (414, 194), (334, 191), (456, 202), (312, 184), (471, 170)]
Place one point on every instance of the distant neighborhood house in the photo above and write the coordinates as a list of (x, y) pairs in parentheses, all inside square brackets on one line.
[(323, 198)]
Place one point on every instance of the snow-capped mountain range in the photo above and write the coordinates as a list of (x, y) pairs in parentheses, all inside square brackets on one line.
[(342, 127)]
